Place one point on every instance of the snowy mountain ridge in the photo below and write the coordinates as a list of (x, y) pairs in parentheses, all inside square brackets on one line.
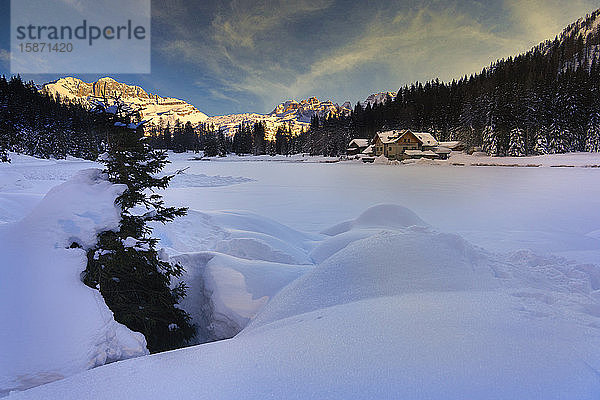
[(152, 107), (580, 41), (304, 110), (292, 114), (157, 109), (378, 98)]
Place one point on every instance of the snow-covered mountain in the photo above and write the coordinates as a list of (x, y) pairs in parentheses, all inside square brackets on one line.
[(293, 114), (152, 107), (377, 98), (580, 42), (584, 26), (306, 109)]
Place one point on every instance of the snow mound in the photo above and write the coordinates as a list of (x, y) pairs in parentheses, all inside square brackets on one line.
[(57, 325), (385, 161), (333, 244), (419, 346), (379, 216), (386, 263), (420, 161), (360, 262)]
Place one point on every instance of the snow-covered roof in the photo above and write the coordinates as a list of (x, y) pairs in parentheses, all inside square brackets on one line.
[(451, 144), (388, 137), (426, 138), (359, 142), (442, 150), (368, 150)]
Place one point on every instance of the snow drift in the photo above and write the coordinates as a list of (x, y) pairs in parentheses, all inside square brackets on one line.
[(225, 292), (54, 325), (398, 311), (234, 262)]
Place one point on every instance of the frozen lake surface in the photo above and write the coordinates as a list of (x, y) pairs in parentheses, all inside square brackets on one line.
[(543, 209)]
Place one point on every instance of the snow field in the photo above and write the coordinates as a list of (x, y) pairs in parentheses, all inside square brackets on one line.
[(405, 312), (383, 305)]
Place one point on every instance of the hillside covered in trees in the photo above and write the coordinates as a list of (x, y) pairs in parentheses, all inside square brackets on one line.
[(544, 101), (36, 124)]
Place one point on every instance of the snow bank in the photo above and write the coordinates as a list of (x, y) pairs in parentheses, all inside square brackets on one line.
[(376, 218), (385, 161), (25, 180), (368, 257), (420, 346), (420, 161), (384, 216), (386, 263), (225, 292), (56, 326), (585, 160), (234, 262)]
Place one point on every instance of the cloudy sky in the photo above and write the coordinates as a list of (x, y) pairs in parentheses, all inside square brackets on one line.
[(247, 55)]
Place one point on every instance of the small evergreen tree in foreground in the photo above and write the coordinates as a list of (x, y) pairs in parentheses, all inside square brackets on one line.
[(125, 265)]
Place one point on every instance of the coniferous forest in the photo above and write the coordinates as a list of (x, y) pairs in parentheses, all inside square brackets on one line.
[(544, 101), (36, 124)]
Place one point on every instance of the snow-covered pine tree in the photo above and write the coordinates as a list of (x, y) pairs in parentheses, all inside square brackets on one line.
[(516, 146), (557, 139), (3, 150), (592, 140), (541, 145), (490, 141), (125, 265)]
